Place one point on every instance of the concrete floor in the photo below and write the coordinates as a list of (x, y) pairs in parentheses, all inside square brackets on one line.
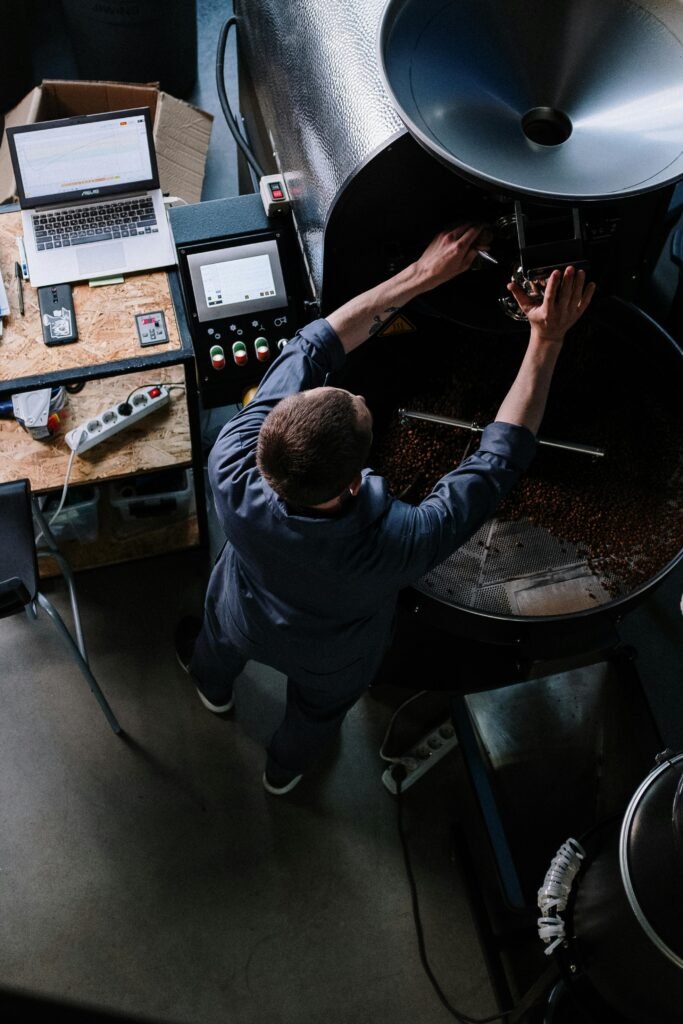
[(152, 875)]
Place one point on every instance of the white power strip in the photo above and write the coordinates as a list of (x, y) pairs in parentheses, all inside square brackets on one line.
[(423, 756), (99, 428)]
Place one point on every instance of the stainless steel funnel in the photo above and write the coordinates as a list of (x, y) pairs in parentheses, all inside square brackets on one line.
[(568, 99)]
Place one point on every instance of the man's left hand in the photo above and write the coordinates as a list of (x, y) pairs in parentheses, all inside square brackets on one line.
[(450, 253)]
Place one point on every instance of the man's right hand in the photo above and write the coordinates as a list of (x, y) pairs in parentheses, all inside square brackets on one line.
[(566, 298)]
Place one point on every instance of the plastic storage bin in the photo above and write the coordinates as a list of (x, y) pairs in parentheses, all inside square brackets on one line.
[(165, 495), (78, 519)]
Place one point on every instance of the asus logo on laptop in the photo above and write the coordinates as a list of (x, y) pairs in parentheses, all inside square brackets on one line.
[(90, 192)]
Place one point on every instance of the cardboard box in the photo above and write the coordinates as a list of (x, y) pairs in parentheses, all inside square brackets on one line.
[(181, 131)]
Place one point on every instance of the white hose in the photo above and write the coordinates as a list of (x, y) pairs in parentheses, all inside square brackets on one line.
[(554, 893)]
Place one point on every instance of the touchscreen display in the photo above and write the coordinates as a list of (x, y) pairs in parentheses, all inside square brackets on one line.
[(241, 280), (234, 280)]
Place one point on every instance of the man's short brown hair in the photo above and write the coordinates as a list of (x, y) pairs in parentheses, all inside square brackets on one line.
[(311, 446)]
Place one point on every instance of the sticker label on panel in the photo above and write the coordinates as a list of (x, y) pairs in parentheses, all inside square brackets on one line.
[(399, 325)]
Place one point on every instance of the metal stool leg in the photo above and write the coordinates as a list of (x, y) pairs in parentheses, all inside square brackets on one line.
[(67, 572), (82, 663), (68, 575)]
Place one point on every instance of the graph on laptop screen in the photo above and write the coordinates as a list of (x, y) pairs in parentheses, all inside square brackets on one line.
[(95, 155)]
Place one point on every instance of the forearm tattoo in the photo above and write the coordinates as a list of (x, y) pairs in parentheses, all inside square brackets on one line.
[(378, 321)]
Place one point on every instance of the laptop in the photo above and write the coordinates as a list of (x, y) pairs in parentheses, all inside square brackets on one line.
[(88, 187)]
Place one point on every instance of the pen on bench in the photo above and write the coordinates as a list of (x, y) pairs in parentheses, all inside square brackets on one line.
[(22, 257), (20, 286)]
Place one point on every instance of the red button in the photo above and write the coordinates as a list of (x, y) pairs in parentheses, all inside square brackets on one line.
[(154, 392), (277, 193)]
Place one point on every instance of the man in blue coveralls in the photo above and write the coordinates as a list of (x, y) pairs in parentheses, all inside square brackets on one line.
[(318, 549)]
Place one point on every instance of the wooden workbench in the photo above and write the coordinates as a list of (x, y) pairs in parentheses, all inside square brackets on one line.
[(108, 357)]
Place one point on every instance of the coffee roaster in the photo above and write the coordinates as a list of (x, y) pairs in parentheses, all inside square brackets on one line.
[(561, 129), (559, 126)]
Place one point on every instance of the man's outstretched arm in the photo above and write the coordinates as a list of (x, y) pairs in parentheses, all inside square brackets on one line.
[(448, 254), (566, 298)]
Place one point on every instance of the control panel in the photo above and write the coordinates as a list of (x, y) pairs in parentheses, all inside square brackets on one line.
[(241, 314), (239, 290)]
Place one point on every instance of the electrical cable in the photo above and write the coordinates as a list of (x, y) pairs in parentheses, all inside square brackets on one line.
[(156, 384), (62, 499), (66, 481), (230, 118), (385, 757), (399, 774)]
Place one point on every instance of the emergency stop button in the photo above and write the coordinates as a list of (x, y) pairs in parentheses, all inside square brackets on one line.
[(262, 350), (217, 356), (239, 353)]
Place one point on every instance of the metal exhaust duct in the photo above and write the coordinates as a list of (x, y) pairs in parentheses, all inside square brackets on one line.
[(566, 100)]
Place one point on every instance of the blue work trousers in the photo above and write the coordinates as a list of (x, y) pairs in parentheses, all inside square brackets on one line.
[(314, 711)]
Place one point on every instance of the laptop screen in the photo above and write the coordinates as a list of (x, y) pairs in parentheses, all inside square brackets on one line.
[(83, 157)]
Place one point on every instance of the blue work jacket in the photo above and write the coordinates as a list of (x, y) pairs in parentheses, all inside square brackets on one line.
[(315, 595)]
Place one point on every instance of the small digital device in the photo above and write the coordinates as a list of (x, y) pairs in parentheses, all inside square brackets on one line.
[(151, 328), (57, 314)]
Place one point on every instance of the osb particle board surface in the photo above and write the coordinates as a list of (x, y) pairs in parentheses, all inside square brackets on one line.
[(159, 440), (105, 317)]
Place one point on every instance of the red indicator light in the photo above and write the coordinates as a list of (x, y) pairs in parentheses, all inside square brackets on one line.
[(154, 392)]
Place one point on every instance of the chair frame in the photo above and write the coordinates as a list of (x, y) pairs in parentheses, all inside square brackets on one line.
[(76, 646)]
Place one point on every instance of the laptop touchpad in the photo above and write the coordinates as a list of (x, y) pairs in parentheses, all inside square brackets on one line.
[(95, 259)]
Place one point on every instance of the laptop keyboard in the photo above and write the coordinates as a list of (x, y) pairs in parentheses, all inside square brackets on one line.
[(79, 225)]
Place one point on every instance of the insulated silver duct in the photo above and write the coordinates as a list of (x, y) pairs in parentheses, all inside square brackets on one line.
[(312, 67)]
